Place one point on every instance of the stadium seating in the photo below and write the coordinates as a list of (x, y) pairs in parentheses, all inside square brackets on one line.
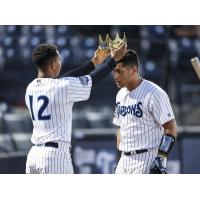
[(17, 123), (163, 56), (6, 143), (22, 141), (16, 132)]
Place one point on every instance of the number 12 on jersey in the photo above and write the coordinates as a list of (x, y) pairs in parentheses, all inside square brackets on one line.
[(42, 108)]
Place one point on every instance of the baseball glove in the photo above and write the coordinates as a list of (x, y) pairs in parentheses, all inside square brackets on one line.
[(158, 166)]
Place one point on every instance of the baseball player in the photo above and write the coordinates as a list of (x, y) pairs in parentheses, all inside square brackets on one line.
[(50, 100), (147, 126)]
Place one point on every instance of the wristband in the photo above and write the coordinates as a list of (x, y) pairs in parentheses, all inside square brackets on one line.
[(166, 144)]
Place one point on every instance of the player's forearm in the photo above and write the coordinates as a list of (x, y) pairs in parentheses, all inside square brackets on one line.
[(85, 69), (103, 70), (167, 142), (171, 128), (169, 138)]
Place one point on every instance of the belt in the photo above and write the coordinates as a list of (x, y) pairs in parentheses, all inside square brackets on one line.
[(135, 152), (48, 144)]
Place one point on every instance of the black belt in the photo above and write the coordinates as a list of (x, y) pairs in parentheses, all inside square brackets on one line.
[(135, 152), (49, 144)]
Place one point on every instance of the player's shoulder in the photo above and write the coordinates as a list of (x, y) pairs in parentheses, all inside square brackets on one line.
[(68, 79), (45, 83), (122, 92), (31, 84), (84, 80), (155, 89)]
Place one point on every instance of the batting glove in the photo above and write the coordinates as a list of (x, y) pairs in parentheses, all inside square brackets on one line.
[(158, 166)]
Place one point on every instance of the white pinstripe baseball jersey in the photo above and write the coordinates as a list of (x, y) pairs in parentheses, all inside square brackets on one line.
[(140, 114), (50, 104)]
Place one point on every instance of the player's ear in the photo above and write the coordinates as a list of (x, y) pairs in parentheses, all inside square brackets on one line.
[(51, 68), (53, 65), (134, 69)]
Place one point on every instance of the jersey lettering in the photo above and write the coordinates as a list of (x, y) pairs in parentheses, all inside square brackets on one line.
[(41, 109), (135, 109)]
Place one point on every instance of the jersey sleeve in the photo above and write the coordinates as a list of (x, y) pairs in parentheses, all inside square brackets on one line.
[(116, 120), (160, 107), (78, 88)]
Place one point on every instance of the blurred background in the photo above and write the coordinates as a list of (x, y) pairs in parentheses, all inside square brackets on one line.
[(165, 53)]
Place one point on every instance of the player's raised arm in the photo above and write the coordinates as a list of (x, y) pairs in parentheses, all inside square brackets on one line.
[(98, 58), (79, 88), (109, 65)]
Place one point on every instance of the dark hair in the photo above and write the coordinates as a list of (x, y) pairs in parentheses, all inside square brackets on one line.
[(44, 54), (129, 59)]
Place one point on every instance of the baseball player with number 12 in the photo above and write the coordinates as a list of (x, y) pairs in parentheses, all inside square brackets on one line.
[(50, 100), (147, 126)]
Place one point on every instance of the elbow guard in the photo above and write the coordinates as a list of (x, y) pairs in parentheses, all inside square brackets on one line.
[(166, 144)]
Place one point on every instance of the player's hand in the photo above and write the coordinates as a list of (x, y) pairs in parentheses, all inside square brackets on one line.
[(118, 53), (99, 56), (158, 166)]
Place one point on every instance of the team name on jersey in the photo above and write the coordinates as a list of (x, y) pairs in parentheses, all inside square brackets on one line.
[(135, 109)]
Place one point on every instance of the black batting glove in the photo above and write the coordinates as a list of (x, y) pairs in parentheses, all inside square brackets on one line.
[(158, 166)]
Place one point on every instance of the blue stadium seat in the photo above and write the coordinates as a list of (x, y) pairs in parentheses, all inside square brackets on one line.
[(74, 41), (156, 33), (49, 31), (37, 30), (186, 47), (8, 41), (90, 43), (154, 41), (89, 53), (25, 30), (2, 30), (62, 30), (25, 53), (152, 70), (11, 29), (35, 41), (23, 41), (66, 56), (10, 53), (50, 40), (132, 32), (61, 42)]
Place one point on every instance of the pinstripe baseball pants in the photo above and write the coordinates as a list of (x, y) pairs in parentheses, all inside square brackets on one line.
[(49, 160), (137, 163)]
